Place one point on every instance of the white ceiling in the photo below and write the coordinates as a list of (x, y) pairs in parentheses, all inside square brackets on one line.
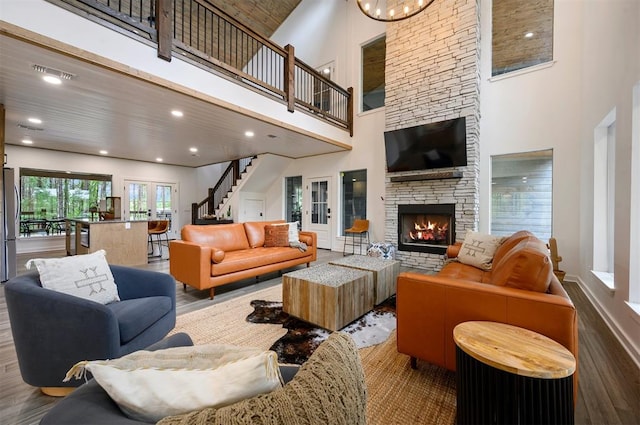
[(129, 117)]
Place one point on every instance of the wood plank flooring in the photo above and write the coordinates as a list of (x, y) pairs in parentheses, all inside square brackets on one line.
[(609, 391)]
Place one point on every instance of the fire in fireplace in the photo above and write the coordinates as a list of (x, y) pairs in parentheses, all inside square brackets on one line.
[(426, 227)]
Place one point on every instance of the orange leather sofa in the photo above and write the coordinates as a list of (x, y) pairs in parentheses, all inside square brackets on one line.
[(213, 255), (520, 290)]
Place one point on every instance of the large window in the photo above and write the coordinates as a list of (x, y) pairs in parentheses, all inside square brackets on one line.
[(354, 197), (634, 251), (48, 195), (521, 193), (522, 34), (604, 198), (373, 57)]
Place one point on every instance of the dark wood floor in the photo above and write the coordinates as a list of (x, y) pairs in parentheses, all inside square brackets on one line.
[(609, 390)]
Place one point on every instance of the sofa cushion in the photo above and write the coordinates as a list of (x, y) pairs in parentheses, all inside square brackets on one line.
[(329, 388), (526, 266), (236, 261), (456, 270), (227, 237), (136, 315), (478, 249), (255, 231), (276, 235), (509, 242)]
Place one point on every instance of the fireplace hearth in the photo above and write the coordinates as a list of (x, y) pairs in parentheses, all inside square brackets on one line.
[(426, 227)]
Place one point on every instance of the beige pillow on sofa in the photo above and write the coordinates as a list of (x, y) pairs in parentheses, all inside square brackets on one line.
[(478, 248), (149, 385)]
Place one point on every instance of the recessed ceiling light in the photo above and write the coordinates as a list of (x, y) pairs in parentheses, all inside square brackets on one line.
[(177, 113), (528, 35), (194, 150), (103, 152), (34, 120), (248, 133), (52, 80), (159, 159), (27, 141)]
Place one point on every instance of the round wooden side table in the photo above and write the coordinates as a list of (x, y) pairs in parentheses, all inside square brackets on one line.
[(510, 375)]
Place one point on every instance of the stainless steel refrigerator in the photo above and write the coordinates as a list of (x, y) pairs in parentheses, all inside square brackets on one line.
[(10, 215)]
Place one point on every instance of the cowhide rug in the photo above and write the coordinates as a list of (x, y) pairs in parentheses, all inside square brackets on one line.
[(303, 338)]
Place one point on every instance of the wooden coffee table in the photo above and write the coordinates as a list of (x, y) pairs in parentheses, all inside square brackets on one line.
[(328, 296), (385, 273)]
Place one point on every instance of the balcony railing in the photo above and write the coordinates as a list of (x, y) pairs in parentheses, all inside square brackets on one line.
[(200, 31)]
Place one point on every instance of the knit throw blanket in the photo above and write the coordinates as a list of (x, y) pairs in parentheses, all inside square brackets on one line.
[(333, 376)]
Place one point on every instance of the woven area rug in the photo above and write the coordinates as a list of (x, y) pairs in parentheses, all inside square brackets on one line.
[(396, 393)]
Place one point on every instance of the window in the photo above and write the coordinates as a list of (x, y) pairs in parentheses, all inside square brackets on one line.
[(521, 193), (354, 197), (522, 34), (604, 198), (373, 57), (634, 251), (48, 195), (293, 199)]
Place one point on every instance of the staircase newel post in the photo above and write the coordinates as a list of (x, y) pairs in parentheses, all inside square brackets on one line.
[(289, 78), (194, 213), (350, 111)]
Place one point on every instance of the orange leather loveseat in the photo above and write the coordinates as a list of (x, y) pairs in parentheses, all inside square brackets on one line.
[(213, 255), (520, 290)]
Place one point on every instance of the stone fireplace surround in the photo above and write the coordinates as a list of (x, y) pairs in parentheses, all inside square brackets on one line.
[(432, 73)]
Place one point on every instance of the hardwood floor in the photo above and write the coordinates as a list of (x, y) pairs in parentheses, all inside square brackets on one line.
[(609, 390)]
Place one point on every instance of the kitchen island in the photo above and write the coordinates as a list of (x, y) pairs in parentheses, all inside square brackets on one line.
[(125, 242)]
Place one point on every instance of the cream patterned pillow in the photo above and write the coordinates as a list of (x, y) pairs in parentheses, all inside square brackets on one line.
[(86, 276), (150, 385), (478, 248)]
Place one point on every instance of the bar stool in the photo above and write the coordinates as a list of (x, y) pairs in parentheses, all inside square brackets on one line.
[(360, 228), (158, 228)]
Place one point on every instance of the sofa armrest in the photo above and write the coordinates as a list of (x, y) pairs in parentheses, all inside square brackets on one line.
[(311, 239), (453, 250), (430, 306), (190, 263)]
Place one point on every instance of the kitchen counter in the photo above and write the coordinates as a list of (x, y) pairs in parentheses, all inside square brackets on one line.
[(125, 242)]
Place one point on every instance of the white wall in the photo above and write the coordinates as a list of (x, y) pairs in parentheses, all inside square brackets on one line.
[(534, 111), (120, 169), (317, 43), (611, 68), (597, 63)]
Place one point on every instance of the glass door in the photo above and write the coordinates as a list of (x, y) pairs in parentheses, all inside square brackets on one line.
[(152, 201), (319, 212)]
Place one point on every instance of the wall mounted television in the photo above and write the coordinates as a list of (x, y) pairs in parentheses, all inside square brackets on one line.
[(423, 147)]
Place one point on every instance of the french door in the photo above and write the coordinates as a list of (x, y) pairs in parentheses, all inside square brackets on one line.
[(318, 213), (152, 201)]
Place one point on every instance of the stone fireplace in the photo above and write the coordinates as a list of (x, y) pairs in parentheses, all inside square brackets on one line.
[(426, 227), (432, 74)]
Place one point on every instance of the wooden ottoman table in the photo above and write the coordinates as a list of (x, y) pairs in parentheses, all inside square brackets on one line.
[(385, 273), (328, 296)]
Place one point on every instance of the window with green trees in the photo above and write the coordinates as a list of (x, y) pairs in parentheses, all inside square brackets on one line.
[(46, 194)]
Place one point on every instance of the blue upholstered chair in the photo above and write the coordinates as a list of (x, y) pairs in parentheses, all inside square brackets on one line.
[(52, 331)]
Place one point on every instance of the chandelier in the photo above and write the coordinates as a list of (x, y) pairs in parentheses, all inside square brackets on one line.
[(403, 9)]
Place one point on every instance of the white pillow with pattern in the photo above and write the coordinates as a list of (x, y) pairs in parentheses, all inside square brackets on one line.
[(478, 248)]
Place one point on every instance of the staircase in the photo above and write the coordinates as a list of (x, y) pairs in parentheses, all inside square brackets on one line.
[(214, 207)]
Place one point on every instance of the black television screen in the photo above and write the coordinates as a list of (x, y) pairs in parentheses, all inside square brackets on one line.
[(423, 147)]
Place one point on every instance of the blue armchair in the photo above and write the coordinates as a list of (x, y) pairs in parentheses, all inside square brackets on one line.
[(52, 331)]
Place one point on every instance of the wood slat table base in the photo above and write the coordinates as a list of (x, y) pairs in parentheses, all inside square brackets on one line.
[(328, 296)]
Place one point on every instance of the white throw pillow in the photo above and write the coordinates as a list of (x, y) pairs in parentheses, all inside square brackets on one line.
[(293, 232), (86, 276), (150, 385), (477, 249)]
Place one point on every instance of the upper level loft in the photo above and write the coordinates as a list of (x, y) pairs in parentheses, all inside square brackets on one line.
[(202, 33), (127, 74)]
